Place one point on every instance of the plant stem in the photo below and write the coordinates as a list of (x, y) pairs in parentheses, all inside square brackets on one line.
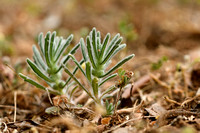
[(116, 102), (76, 80)]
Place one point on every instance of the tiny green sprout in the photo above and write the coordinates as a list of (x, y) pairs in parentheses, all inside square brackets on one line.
[(109, 108), (124, 79), (97, 55), (158, 65), (128, 30), (48, 60)]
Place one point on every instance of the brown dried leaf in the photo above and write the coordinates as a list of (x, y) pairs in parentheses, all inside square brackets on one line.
[(155, 110), (106, 120)]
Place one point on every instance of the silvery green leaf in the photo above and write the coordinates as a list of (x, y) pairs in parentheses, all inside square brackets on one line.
[(41, 43), (107, 64), (37, 64), (73, 90), (94, 42), (98, 46), (108, 78), (95, 87), (72, 51), (66, 58), (109, 54), (38, 58), (78, 82), (46, 48), (76, 62), (117, 50), (63, 47), (113, 41), (51, 45), (98, 34), (38, 71), (88, 71), (90, 54), (83, 50), (112, 49), (55, 45), (119, 64), (31, 81), (99, 41), (107, 91), (105, 42), (74, 72), (60, 41), (34, 83)]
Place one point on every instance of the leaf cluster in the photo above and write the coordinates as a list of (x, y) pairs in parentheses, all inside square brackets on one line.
[(97, 55), (48, 60)]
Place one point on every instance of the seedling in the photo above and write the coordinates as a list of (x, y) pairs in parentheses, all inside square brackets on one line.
[(109, 108), (127, 29), (158, 65), (97, 56), (47, 62), (125, 78)]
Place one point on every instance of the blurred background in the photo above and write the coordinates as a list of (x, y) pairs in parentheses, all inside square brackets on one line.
[(148, 26)]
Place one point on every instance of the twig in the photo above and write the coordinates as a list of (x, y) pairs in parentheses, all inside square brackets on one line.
[(126, 110), (29, 123), (5, 127), (85, 109), (116, 102), (88, 102), (11, 68), (134, 106), (49, 96), (122, 124), (15, 105), (7, 83), (171, 101), (138, 84), (164, 118), (161, 83), (185, 82), (190, 100), (141, 94), (18, 110), (130, 110)]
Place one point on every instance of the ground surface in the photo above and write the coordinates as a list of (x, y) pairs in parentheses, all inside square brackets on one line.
[(165, 96)]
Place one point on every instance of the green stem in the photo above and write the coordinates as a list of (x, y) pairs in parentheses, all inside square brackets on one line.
[(116, 102), (76, 80)]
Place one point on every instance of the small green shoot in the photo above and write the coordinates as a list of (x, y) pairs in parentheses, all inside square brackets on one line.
[(158, 65), (109, 108), (127, 29), (124, 79)]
